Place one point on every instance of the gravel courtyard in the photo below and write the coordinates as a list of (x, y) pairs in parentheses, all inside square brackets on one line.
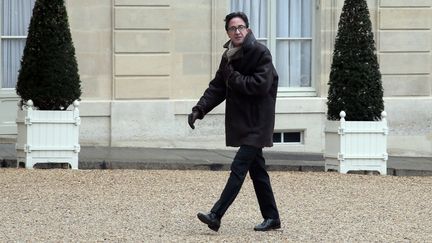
[(161, 205)]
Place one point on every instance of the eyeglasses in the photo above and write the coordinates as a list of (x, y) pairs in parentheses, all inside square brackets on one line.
[(234, 29)]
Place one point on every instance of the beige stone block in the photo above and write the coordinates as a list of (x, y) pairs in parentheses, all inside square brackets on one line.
[(8, 115), (143, 2), (89, 15), (143, 17), (410, 146), (92, 41), (94, 63), (405, 40), (301, 105), (142, 64), (191, 40), (135, 41), (95, 131), (184, 107), (193, 15), (405, 3), (142, 88), (95, 108), (405, 18), (406, 85), (196, 64), (189, 87), (410, 126), (96, 87), (405, 63), (135, 123)]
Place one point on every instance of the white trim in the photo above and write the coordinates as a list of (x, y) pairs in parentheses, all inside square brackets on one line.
[(294, 38), (8, 93), (296, 91), (13, 37), (272, 9)]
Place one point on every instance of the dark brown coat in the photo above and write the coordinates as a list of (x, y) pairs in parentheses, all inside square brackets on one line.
[(248, 83)]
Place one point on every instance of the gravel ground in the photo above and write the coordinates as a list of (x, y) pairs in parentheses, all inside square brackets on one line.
[(161, 206)]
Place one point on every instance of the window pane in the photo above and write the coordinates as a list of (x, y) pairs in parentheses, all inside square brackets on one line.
[(277, 137), (12, 50), (291, 137), (294, 18), (293, 63), (256, 10), (16, 16)]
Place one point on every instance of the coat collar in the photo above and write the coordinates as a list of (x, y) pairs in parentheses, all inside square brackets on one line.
[(248, 43)]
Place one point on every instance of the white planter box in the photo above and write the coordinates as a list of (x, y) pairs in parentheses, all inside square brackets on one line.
[(47, 136), (356, 145)]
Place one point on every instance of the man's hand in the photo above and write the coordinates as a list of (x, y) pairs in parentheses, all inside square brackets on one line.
[(192, 118)]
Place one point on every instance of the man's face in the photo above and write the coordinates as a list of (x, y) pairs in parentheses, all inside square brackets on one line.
[(237, 31)]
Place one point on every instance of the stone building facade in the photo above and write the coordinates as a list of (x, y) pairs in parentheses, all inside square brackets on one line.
[(145, 63)]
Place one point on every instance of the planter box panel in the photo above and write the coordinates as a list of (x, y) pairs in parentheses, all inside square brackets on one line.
[(54, 135), (363, 144), (332, 144)]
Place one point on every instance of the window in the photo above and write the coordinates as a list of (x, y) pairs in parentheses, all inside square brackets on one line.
[(288, 137), (285, 26), (14, 19)]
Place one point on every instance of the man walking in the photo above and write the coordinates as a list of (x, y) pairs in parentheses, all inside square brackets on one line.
[(248, 81)]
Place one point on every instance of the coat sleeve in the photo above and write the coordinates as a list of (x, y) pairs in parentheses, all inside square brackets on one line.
[(259, 81), (214, 94)]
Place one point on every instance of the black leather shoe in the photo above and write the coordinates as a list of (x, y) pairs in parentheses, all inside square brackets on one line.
[(211, 219), (268, 224)]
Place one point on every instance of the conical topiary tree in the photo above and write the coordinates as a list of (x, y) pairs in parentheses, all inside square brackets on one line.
[(49, 71), (355, 79)]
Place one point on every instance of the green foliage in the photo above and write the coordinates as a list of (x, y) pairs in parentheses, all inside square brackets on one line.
[(49, 71), (355, 79)]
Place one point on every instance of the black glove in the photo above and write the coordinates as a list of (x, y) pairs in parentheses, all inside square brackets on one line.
[(192, 118)]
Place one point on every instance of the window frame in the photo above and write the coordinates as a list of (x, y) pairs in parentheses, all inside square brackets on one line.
[(283, 142), (293, 91)]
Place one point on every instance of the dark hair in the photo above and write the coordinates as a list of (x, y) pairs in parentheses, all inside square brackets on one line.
[(236, 14)]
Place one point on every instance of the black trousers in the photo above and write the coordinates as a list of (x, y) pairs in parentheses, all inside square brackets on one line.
[(250, 159)]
